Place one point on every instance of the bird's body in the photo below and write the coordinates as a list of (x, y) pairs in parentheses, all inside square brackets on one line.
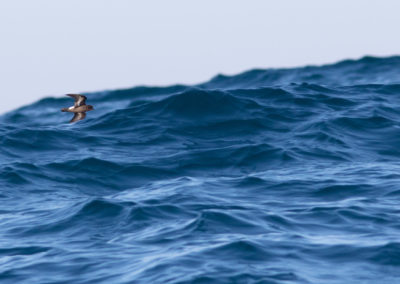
[(83, 108), (79, 108)]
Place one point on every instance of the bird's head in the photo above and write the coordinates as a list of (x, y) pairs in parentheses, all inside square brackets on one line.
[(89, 107)]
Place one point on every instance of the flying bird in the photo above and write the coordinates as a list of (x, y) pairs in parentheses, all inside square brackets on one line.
[(79, 108)]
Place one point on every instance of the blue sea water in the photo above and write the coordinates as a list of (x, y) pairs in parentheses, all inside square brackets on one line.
[(269, 176)]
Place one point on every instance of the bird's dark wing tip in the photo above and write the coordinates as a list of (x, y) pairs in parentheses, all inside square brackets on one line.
[(76, 95)]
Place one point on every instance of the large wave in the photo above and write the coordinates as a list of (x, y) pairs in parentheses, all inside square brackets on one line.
[(269, 176)]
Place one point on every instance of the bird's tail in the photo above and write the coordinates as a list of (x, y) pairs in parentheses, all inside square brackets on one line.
[(64, 109)]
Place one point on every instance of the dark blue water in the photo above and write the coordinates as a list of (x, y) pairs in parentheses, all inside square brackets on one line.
[(269, 176)]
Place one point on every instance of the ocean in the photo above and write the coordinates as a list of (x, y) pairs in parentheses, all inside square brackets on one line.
[(269, 176)]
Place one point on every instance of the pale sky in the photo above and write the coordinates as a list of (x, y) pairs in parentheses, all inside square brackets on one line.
[(54, 47)]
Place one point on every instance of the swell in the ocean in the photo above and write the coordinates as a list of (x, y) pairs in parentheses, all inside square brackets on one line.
[(269, 176)]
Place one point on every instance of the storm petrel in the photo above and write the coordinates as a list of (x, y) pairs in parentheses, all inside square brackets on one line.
[(79, 108)]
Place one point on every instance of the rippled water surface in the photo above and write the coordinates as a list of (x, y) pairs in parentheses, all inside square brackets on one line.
[(269, 176)]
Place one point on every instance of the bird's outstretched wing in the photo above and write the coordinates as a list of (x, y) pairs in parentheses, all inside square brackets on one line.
[(80, 100), (78, 116)]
